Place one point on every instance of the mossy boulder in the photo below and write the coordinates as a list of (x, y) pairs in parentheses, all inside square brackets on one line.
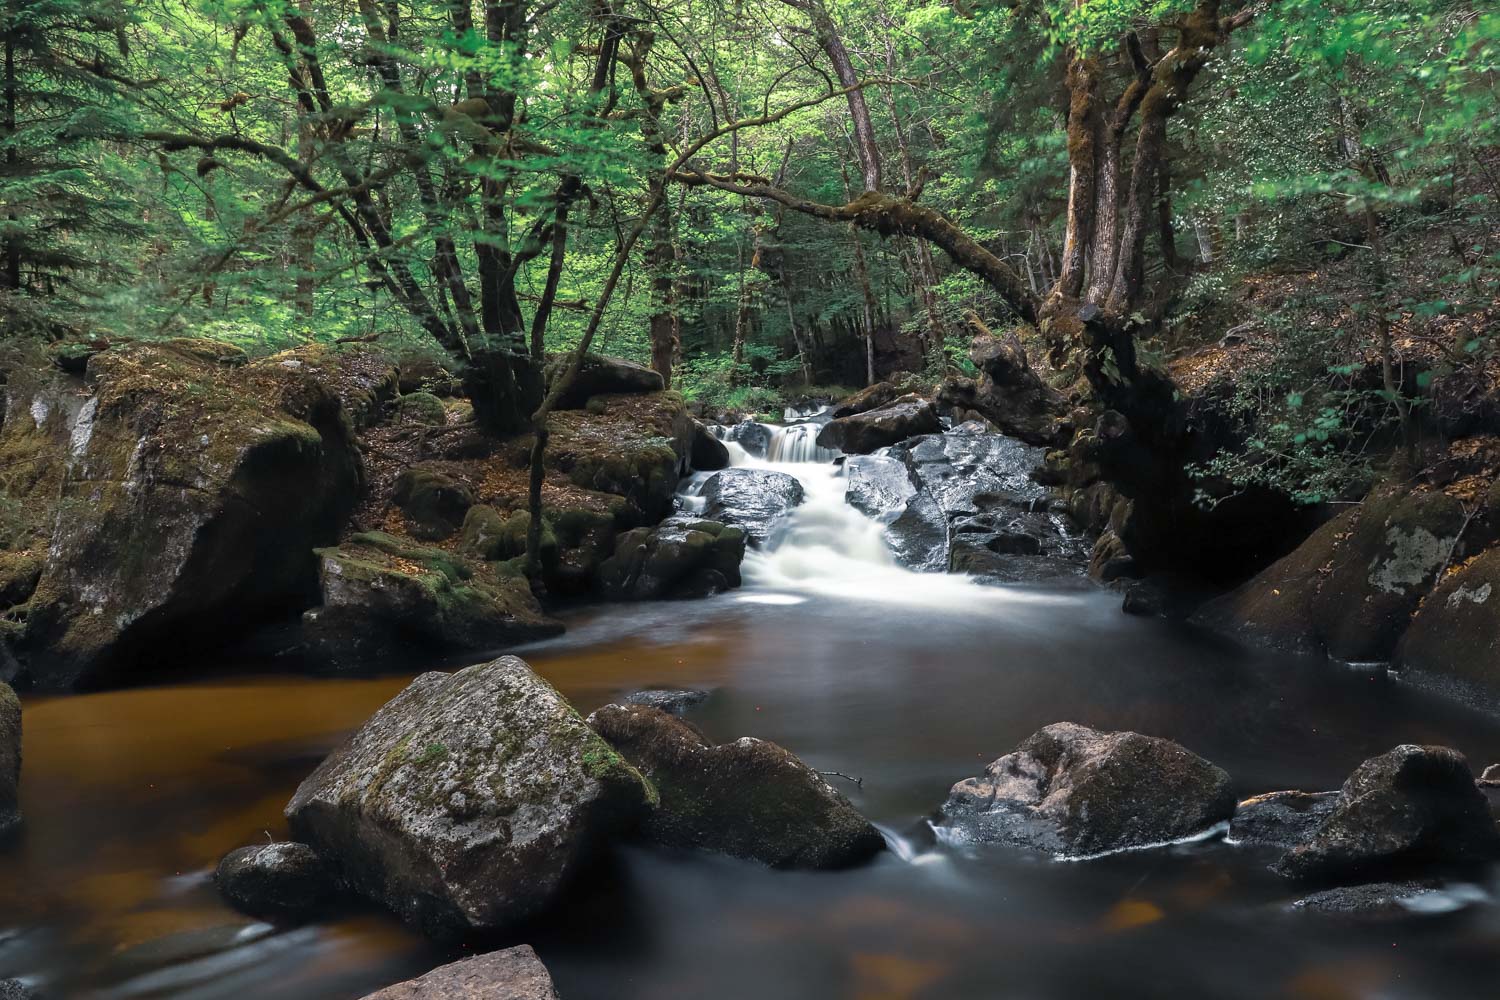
[(491, 535), (1071, 791), (425, 593), (748, 799), (1351, 589), (1453, 643), (600, 376), (638, 449), (10, 760), (362, 377), (422, 409), (185, 496), (682, 557), (433, 502), (469, 801)]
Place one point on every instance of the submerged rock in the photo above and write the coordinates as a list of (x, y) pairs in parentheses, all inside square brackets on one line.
[(748, 799), (754, 500), (1386, 901), (1412, 804), (1073, 791), (513, 974), (1281, 819), (601, 376), (862, 433), (280, 880), (682, 557), (673, 701), (10, 760), (469, 800)]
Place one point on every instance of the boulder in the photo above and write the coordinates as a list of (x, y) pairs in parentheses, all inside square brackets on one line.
[(1350, 590), (636, 450), (469, 801), (966, 502), (867, 399), (603, 376), (1413, 804), (433, 502), (886, 425), (673, 701), (708, 453), (754, 437), (748, 799), (1009, 394), (362, 377), (429, 594), (421, 409), (10, 760), (513, 974), (1281, 819), (280, 880), (185, 498), (755, 500), (1453, 643), (1072, 791), (681, 557)]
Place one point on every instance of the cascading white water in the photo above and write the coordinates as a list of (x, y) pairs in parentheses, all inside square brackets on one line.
[(830, 548)]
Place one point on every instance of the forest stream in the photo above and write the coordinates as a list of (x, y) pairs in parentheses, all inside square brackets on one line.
[(901, 683)]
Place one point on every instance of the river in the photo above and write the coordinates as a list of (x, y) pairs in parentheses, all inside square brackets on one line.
[(907, 682)]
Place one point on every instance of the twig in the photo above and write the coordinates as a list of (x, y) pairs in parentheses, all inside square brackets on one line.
[(847, 777)]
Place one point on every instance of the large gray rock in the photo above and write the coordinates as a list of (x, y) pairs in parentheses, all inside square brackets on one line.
[(754, 437), (681, 557), (755, 500), (1073, 791), (965, 501), (10, 760), (862, 433), (1413, 804), (186, 498), (601, 376), (279, 880), (749, 799), (469, 800), (513, 974)]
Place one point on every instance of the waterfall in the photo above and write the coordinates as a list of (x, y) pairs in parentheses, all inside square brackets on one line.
[(798, 443)]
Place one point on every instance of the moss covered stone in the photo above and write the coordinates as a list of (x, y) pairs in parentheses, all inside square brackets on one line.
[(422, 409), (433, 501), (486, 833)]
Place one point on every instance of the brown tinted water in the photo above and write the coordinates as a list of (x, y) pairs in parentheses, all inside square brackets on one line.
[(131, 797)]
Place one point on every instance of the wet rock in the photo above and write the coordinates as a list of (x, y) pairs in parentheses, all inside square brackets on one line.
[(1146, 600), (1453, 643), (1412, 804), (748, 799), (469, 800), (513, 974), (966, 502), (603, 376), (872, 430), (1073, 791), (1386, 901), (681, 557), (14, 989), (421, 409), (753, 437), (1350, 590), (673, 701), (430, 593), (1281, 819), (708, 453), (10, 760), (867, 399), (433, 502), (280, 880), (754, 500)]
